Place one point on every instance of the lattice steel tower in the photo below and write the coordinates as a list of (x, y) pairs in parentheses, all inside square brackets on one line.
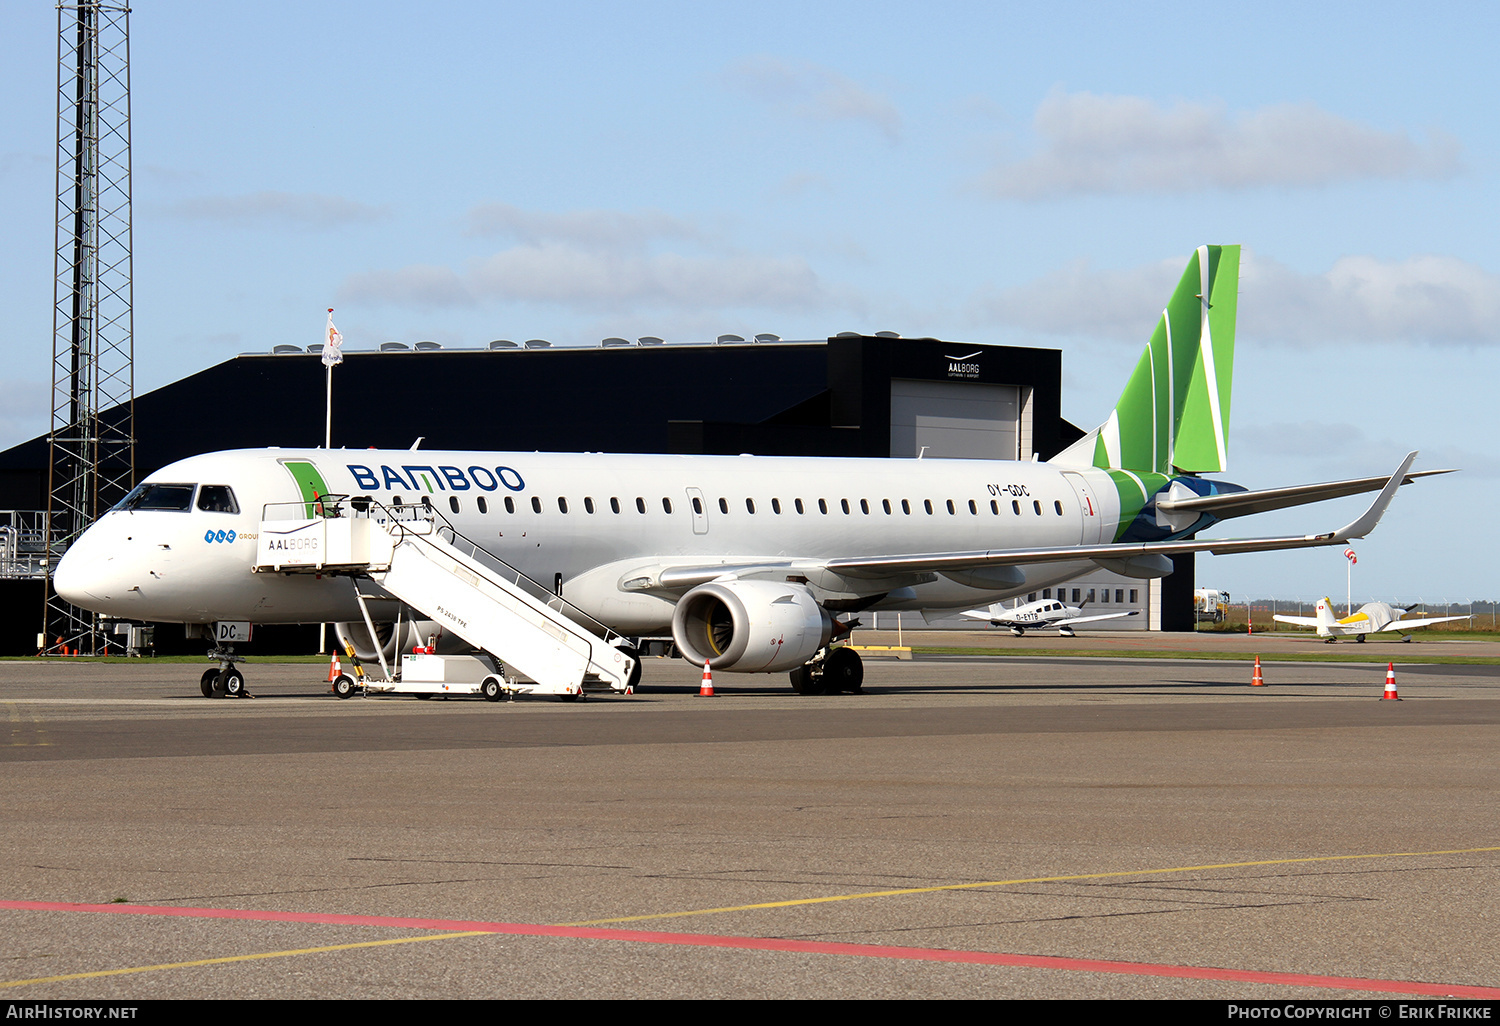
[(92, 439)]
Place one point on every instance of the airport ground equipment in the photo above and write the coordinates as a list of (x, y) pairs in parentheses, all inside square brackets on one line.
[(412, 555)]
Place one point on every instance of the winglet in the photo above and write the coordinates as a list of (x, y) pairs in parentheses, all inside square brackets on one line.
[(1366, 523)]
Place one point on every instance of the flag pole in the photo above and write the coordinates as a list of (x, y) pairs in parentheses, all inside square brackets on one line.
[(332, 357)]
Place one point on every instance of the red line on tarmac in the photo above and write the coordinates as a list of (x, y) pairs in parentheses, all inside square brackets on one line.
[(1088, 965)]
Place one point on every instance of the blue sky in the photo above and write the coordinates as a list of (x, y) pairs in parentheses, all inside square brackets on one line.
[(1031, 174)]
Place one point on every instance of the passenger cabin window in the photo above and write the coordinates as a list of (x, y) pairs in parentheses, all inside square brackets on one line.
[(640, 504), (453, 503), (588, 504), (973, 507), (426, 502), (723, 505), (172, 498), (1057, 506), (666, 504), (798, 504), (510, 504), (927, 505), (776, 506), (484, 507), (217, 499), (697, 506), (1015, 506), (906, 507), (562, 504), (749, 505), (885, 504), (822, 506), (614, 504), (951, 510), (844, 503), (1037, 505), (536, 504), (864, 506)]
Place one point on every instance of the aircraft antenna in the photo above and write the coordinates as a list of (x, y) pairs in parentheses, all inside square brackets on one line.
[(91, 443)]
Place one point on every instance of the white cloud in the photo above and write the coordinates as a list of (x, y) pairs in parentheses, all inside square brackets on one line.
[(1433, 299), (1091, 144), (420, 285), (1423, 299), (607, 228), (279, 209), (600, 281), (814, 92), (1080, 299), (572, 276)]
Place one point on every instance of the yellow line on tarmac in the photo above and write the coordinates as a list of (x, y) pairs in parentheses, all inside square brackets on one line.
[(245, 958), (1008, 883)]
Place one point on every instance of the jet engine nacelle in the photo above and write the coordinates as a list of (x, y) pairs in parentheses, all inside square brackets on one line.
[(750, 626), (392, 642)]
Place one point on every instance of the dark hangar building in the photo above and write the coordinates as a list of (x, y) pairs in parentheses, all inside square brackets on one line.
[(850, 395)]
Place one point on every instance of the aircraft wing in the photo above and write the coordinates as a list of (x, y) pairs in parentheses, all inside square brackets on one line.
[(911, 567), (1300, 621), (1240, 504), (981, 614), (1099, 616), (938, 562), (1401, 625)]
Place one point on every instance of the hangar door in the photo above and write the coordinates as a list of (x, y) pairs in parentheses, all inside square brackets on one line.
[(955, 419)]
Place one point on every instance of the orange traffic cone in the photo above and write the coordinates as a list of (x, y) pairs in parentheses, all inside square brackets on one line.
[(334, 669), (1390, 684), (1257, 681), (706, 689)]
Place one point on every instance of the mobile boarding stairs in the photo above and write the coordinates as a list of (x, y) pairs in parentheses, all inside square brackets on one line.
[(418, 558)]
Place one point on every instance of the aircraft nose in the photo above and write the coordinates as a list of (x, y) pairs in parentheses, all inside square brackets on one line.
[(79, 576)]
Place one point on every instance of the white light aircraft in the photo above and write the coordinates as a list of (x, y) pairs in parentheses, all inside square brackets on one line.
[(1372, 618), (1042, 615), (752, 564)]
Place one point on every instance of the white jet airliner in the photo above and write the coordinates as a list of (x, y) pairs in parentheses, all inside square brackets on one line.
[(753, 564)]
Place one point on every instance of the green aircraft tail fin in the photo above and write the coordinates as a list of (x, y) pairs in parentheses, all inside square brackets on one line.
[(1174, 412)]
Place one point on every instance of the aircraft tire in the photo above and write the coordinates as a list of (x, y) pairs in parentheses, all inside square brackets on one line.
[(231, 683), (635, 673), (206, 683), (843, 671), (343, 685), (805, 682), (491, 689), (567, 698)]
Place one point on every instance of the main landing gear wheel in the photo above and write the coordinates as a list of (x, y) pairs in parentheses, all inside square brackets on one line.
[(343, 685), (805, 682), (231, 683), (491, 689), (206, 683), (843, 671)]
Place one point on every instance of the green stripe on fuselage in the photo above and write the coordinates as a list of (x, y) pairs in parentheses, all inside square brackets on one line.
[(309, 482)]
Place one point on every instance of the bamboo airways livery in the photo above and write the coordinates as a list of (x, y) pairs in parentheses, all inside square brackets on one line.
[(1372, 618), (753, 564)]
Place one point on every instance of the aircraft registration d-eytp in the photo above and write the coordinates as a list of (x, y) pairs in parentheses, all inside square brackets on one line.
[(752, 564)]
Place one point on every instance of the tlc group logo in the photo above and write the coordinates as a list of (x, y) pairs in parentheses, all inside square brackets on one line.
[(218, 536)]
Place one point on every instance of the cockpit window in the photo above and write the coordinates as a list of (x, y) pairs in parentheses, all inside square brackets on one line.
[(175, 498), (217, 499)]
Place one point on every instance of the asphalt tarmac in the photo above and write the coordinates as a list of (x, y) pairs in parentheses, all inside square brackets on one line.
[(971, 826)]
